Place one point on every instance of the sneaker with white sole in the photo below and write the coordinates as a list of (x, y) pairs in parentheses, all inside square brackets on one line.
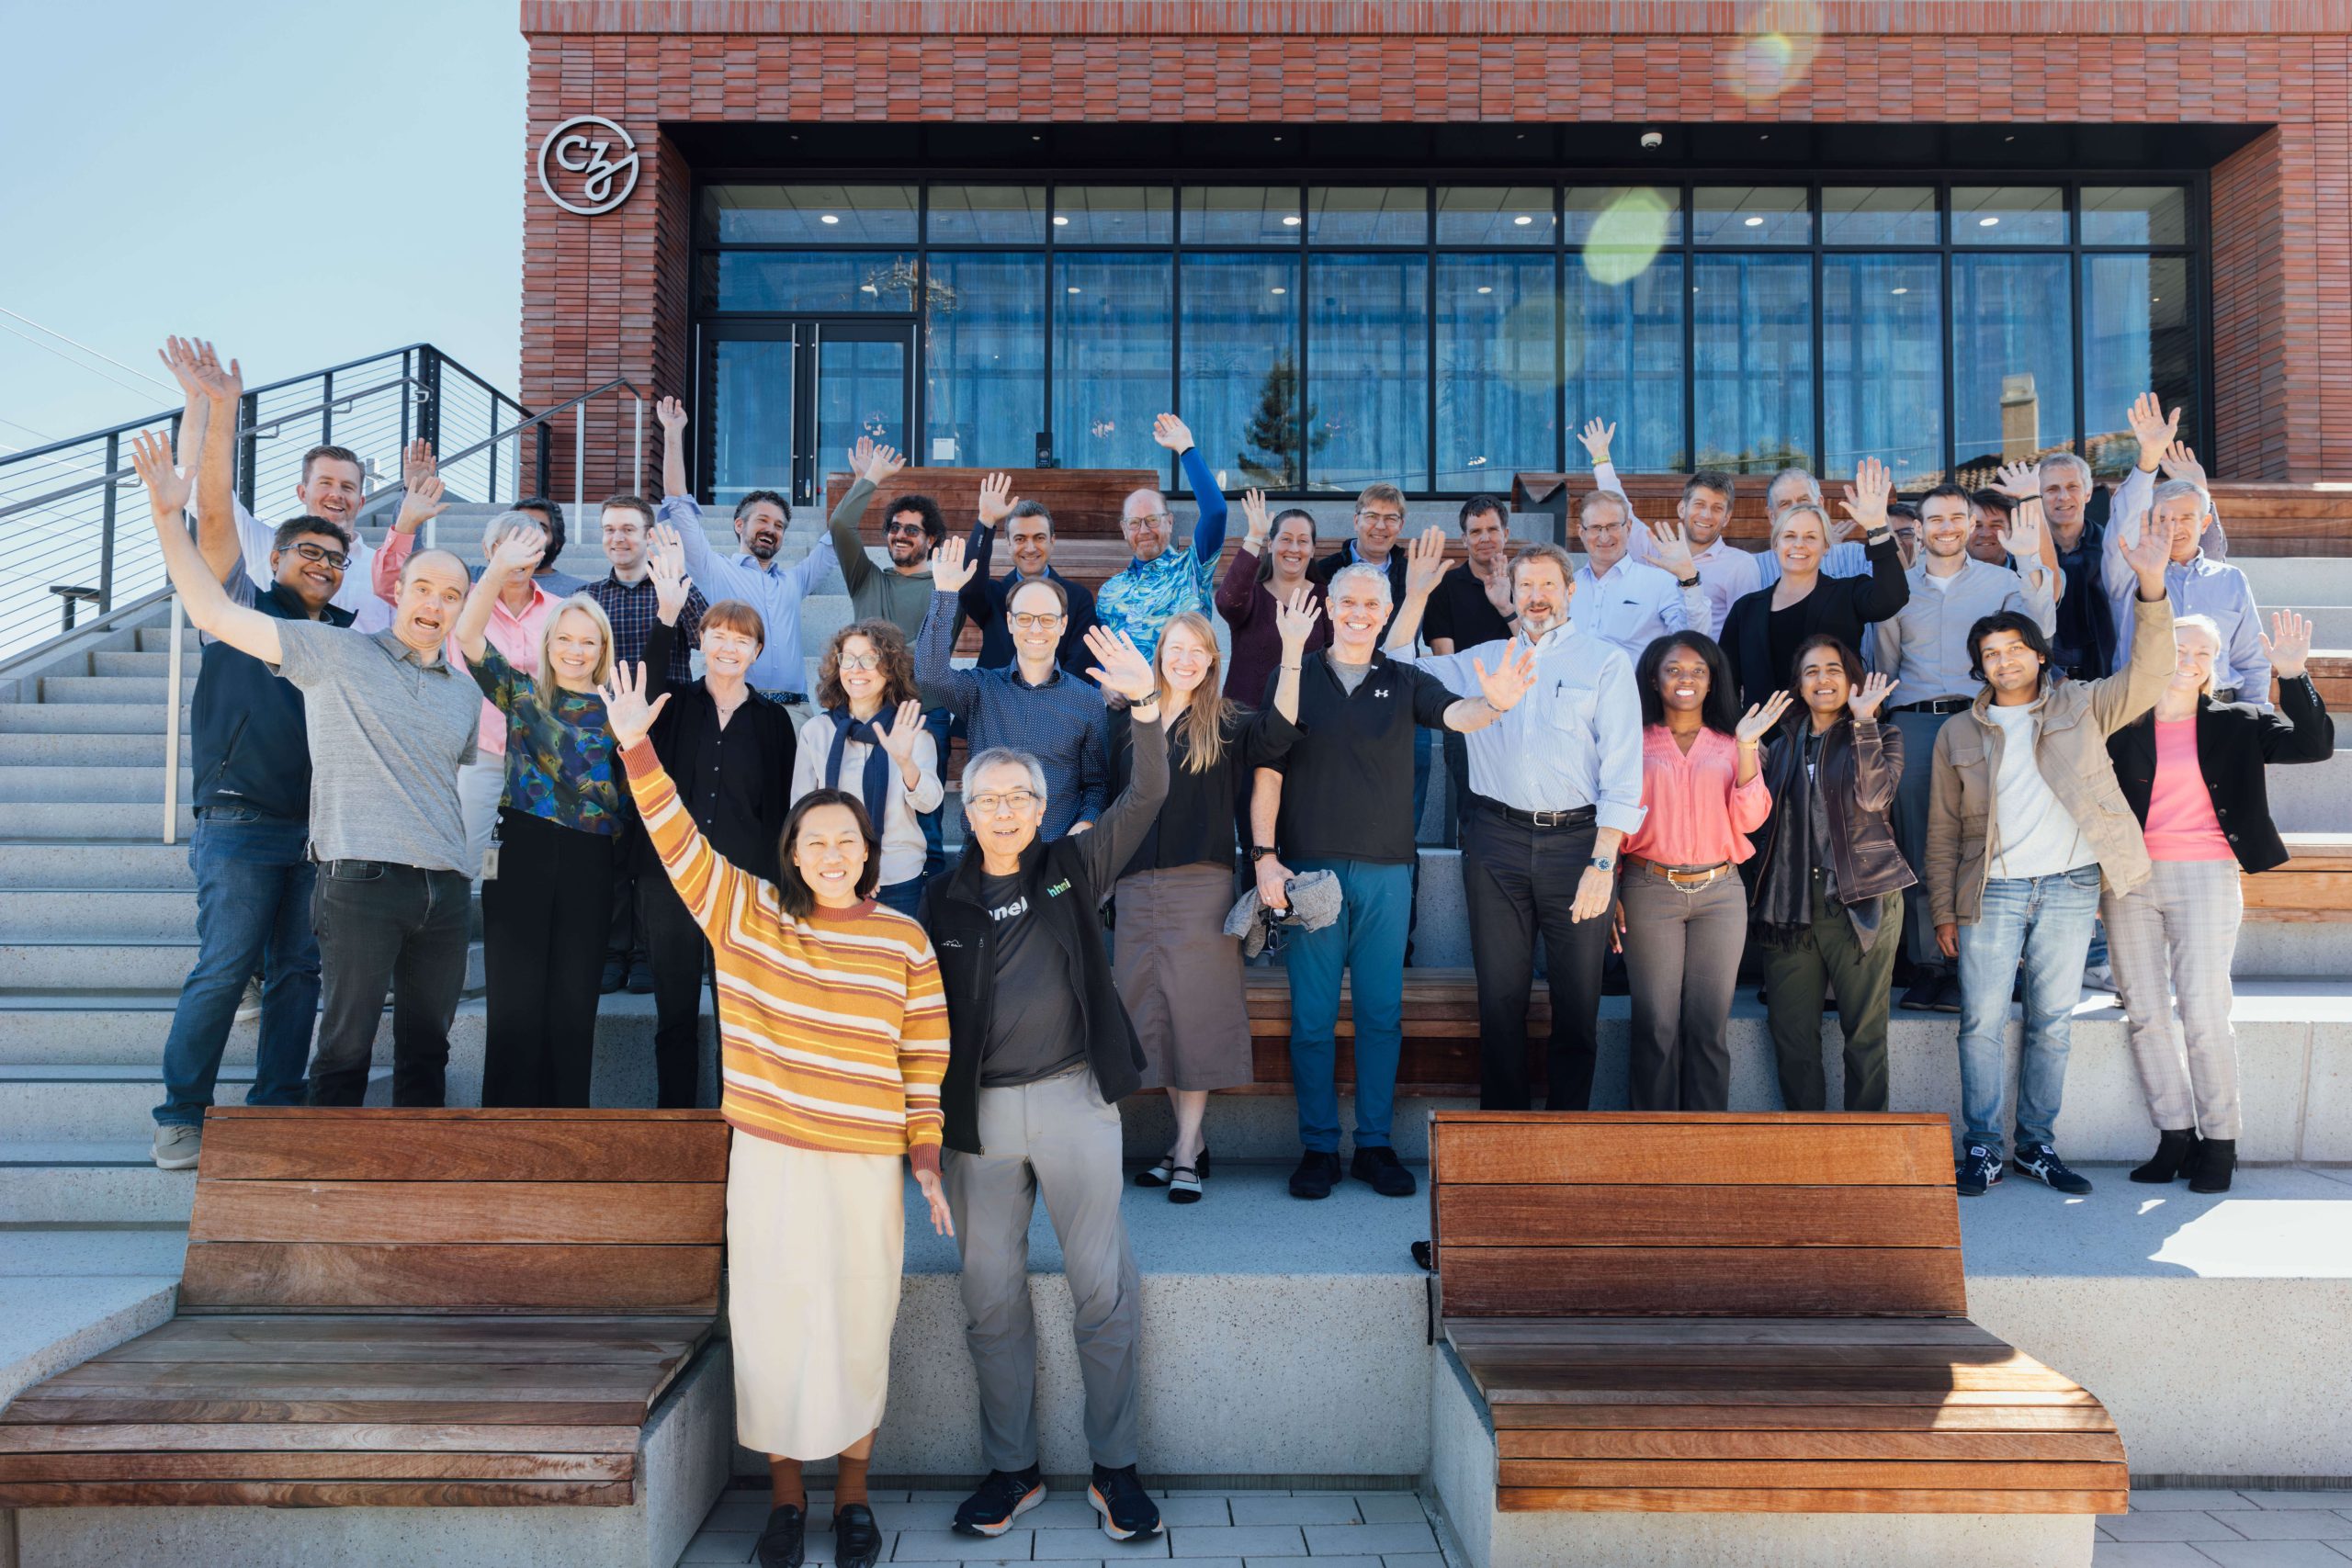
[(1001, 1499), (2040, 1162), (177, 1145), (249, 1004), (1978, 1170), (1126, 1508)]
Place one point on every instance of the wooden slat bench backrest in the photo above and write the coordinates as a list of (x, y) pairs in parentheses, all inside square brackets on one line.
[(1628, 1213), (309, 1209), (1084, 501)]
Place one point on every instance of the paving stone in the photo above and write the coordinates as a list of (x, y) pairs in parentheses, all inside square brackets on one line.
[(2167, 1526), (1310, 1508), (720, 1546), (2147, 1554), (2276, 1554), (1071, 1545), (1369, 1540), (2291, 1524), (2339, 1500), (1250, 1540), (2187, 1499), (1390, 1509), (947, 1546), (1194, 1510)]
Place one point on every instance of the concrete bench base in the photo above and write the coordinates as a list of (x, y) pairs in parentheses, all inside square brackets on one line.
[(683, 1460), (1462, 1469)]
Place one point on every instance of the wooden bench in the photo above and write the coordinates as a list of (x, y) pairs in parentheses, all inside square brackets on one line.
[(1761, 1315), (422, 1309)]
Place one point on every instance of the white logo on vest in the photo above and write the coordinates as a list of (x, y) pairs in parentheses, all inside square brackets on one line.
[(583, 146)]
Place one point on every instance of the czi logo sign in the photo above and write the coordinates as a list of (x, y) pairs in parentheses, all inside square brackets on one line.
[(581, 152)]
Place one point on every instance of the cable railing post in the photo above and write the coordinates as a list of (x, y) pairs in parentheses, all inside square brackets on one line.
[(106, 532), (408, 392), (326, 408), (248, 448), (172, 732)]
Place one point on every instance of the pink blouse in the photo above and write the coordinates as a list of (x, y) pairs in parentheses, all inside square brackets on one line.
[(1696, 814), (2181, 824)]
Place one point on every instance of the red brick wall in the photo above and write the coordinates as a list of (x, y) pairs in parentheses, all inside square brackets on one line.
[(608, 296)]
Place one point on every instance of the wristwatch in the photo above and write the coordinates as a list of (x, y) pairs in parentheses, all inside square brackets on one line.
[(1691, 581), (1604, 862), (1260, 851)]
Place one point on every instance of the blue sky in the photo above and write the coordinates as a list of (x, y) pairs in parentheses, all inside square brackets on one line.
[(304, 183)]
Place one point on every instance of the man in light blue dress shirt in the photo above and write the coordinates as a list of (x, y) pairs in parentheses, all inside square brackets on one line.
[(2195, 582), (1625, 602)]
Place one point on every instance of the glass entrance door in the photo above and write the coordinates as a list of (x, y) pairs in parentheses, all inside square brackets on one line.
[(783, 401)]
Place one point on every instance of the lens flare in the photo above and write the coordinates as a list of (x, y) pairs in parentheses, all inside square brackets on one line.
[(1626, 234), (1776, 49)]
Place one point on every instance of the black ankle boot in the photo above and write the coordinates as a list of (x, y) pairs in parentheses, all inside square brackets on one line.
[(2173, 1150), (2216, 1162)]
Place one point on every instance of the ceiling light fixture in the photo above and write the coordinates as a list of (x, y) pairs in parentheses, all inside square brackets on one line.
[(1899, 292), (1522, 220), (1060, 221), (1986, 223), (1290, 220), (1278, 289), (1073, 289), (828, 218), (1754, 222)]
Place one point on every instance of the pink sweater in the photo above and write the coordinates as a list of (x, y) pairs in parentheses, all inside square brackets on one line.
[(1696, 814), (2181, 824)]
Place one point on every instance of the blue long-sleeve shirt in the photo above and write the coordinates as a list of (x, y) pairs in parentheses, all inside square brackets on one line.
[(2198, 586), (772, 589), (1061, 721), (1146, 595)]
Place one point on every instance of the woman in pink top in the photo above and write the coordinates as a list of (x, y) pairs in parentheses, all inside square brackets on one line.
[(2192, 771), (1681, 914)]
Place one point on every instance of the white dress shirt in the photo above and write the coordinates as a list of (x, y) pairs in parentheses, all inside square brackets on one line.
[(1632, 605)]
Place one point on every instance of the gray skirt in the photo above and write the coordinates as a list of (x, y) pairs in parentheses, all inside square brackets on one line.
[(1180, 975)]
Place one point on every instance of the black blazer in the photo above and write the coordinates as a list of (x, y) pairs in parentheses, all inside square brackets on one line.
[(2234, 741), (677, 737), (1841, 606)]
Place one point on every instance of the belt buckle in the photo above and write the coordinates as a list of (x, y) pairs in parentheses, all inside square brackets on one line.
[(1547, 818)]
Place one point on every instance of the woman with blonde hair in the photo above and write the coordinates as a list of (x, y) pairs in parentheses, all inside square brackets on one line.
[(869, 740), (1176, 971), (546, 912)]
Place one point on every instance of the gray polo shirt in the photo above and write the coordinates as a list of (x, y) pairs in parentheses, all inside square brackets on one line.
[(388, 732), (1925, 644)]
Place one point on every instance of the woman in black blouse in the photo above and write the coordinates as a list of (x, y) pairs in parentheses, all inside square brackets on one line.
[(1176, 971), (1762, 629)]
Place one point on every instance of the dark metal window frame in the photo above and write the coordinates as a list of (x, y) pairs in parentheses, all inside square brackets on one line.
[(2195, 249)]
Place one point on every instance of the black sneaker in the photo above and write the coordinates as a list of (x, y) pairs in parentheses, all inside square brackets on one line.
[(1003, 1497), (857, 1539), (1127, 1510), (2042, 1162), (1921, 997), (1979, 1169), (1386, 1173), (1947, 995), (640, 979), (782, 1544), (1318, 1173), (613, 974)]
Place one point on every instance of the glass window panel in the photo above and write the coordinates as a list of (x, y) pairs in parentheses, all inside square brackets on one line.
[(817, 280), (1113, 341), (1623, 353), (1495, 215), (1752, 347), (1496, 369), (1878, 215), (2135, 215), (988, 215), (2136, 335), (750, 418), (984, 366), (1241, 215), (1240, 366), (1367, 367), (2013, 362), (809, 214), (1368, 215), (1750, 215), (1115, 215), (1622, 218), (2008, 215), (1883, 365), (861, 389)]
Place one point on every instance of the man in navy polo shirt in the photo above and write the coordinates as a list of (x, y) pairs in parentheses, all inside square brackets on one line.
[(1342, 802)]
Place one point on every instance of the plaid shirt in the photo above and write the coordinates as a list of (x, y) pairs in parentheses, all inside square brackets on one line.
[(632, 607)]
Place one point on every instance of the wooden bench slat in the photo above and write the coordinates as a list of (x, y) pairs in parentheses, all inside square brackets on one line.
[(305, 1437), (1601, 1152), (587, 1213), (258, 1338), (1845, 1444), (366, 1379), (1503, 1360), (242, 1276), (1467, 1333), (1971, 1412), (1544, 1215), (2029, 1475), (1765, 1385), (332, 1465), (36, 1408), (1763, 1500), (1726, 1282), (449, 1149), (316, 1493)]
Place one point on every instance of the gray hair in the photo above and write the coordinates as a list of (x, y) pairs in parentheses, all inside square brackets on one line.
[(2067, 460), (1006, 757), (504, 523), (2173, 489), (1812, 485), (1544, 550), (1604, 498), (1372, 573)]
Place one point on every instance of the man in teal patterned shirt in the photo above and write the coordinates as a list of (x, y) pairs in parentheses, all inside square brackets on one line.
[(1162, 582)]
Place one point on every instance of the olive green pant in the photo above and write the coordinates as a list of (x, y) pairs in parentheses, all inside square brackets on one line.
[(1828, 953)]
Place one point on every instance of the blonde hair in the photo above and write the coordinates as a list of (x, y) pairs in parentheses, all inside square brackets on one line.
[(2211, 628), (543, 678), (1207, 710)]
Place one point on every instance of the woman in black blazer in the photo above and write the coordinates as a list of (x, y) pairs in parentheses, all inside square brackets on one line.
[(1762, 629), (2192, 771)]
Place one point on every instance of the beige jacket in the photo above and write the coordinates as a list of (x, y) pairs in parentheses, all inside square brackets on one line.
[(2070, 744)]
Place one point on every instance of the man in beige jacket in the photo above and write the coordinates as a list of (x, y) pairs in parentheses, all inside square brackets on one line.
[(2024, 821)]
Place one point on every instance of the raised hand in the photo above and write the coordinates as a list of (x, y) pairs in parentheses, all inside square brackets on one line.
[(627, 713), (665, 542), (2148, 556), (671, 413), (1758, 722), (949, 569), (996, 499), (167, 487), (517, 552), (2019, 482), (2022, 536), (1425, 561), (2180, 462), (898, 741), (1511, 679), (1596, 437), (1671, 550), (180, 356), (1253, 509), (1863, 701), (1120, 666), (1294, 621), (670, 584), (880, 461), (2289, 645), (1867, 497), (2152, 426), (1498, 592), (421, 503), (1171, 433)]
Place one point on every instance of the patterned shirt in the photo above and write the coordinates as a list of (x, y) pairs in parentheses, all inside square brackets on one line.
[(1146, 595), (633, 607), (560, 759), (1062, 722)]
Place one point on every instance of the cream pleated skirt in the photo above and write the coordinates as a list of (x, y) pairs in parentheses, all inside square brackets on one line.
[(816, 1246)]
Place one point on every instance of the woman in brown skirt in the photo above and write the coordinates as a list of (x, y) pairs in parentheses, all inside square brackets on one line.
[(1176, 971)]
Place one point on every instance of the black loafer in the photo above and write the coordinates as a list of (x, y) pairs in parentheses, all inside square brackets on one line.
[(1380, 1166), (784, 1543), (1317, 1172), (857, 1539)]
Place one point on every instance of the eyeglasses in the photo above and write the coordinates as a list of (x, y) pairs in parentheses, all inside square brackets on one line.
[(892, 529), (1394, 519), (310, 551), (1035, 623), (992, 803), (861, 662), (1151, 520)]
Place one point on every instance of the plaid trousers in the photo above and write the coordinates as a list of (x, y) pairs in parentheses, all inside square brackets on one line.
[(2171, 940)]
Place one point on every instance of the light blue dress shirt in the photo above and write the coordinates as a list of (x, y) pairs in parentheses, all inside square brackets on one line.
[(2199, 586), (774, 590), (1632, 605)]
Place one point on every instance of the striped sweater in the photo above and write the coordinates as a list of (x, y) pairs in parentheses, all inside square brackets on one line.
[(832, 1029)]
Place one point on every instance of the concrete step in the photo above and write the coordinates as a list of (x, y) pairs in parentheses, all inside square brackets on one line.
[(2314, 797), (153, 865), (33, 751), (157, 639), (150, 664), (2298, 579), (84, 1103), (98, 914), (111, 689), (23, 784), (92, 1180), (2331, 623), (77, 822), (156, 964), (60, 717)]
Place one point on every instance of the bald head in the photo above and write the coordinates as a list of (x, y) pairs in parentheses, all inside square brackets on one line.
[(431, 593), (1145, 524)]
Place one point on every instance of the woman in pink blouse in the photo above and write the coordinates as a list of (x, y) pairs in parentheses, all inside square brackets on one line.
[(1681, 913)]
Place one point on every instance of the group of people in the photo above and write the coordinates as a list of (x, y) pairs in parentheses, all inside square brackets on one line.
[(1669, 751)]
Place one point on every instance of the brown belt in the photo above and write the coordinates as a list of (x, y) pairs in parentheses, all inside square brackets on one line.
[(1680, 875)]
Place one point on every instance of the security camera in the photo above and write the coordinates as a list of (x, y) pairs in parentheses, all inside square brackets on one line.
[(1652, 141)]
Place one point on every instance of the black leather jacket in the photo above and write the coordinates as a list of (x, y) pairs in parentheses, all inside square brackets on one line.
[(1860, 765)]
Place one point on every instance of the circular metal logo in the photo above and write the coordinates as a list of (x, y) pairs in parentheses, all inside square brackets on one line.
[(581, 152)]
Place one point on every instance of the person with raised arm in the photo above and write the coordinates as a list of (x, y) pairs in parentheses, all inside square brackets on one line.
[(2025, 824), (1268, 571), (756, 577), (389, 722), (1794, 487), (821, 1117), (1625, 602), (1164, 578), (1726, 573), (1028, 530), (869, 738), (910, 532), (1762, 634)]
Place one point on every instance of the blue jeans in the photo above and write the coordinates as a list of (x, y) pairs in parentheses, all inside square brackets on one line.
[(2047, 921), (253, 914), (1367, 941)]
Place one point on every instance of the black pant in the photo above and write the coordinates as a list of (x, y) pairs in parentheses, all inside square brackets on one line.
[(625, 940), (544, 919), (1520, 879), (681, 956), (382, 927)]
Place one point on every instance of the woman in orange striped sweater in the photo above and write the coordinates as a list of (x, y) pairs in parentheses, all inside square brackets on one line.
[(832, 1032)]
